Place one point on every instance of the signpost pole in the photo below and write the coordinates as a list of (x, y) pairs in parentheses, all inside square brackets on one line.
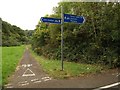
[(62, 21), (64, 18)]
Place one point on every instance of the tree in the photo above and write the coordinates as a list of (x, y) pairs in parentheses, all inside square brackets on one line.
[(12, 35), (95, 41)]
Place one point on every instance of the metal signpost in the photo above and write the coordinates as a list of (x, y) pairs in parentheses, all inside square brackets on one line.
[(62, 21), (64, 18)]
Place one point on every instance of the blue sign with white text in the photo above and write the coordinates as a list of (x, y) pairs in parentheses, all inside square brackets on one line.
[(51, 20), (73, 18)]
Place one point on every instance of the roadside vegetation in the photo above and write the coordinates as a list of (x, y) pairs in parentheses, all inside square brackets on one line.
[(88, 47), (71, 69), (14, 36), (10, 58), (94, 42)]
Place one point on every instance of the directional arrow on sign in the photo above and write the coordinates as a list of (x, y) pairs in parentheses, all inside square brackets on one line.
[(51, 20), (67, 18), (73, 18)]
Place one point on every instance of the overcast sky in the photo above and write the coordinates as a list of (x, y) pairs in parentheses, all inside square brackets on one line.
[(25, 13)]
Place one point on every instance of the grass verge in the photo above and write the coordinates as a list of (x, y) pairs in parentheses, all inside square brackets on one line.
[(10, 58), (71, 69)]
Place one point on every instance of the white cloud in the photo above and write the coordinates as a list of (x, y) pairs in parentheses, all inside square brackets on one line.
[(25, 13)]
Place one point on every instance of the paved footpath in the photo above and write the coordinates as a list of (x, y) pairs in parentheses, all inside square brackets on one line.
[(29, 74)]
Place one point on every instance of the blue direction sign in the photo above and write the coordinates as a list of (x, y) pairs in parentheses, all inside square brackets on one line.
[(51, 20), (73, 18)]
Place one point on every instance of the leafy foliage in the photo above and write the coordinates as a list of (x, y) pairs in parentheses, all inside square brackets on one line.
[(95, 41), (28, 34), (13, 35)]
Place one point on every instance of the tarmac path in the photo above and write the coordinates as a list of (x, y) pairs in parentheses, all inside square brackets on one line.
[(29, 74)]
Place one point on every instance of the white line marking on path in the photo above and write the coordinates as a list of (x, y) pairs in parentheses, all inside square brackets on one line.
[(108, 86), (37, 81), (10, 87), (26, 65), (34, 79), (24, 84), (29, 65), (47, 79), (28, 74)]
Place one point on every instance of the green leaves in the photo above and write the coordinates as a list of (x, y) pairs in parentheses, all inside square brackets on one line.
[(90, 42), (12, 35)]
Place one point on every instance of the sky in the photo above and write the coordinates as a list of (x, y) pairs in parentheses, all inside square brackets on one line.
[(25, 13)]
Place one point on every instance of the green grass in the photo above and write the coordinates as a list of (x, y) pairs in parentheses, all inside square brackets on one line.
[(71, 69), (10, 58)]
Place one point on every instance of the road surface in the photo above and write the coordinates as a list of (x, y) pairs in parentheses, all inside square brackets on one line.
[(29, 74)]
